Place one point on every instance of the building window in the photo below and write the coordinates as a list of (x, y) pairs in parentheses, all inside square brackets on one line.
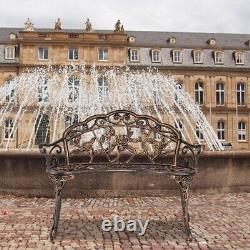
[(73, 85), (42, 129), (177, 56), (156, 56), (221, 130), (73, 54), (240, 93), (178, 125), (9, 88), (134, 55), (218, 57), (103, 54), (43, 93), (43, 54), (10, 53), (103, 88), (220, 93), (239, 58), (198, 56), (70, 120), (8, 129), (199, 93), (242, 132), (199, 133)]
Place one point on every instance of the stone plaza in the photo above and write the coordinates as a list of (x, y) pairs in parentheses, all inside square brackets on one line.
[(218, 221)]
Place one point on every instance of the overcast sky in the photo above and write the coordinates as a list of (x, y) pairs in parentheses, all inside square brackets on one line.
[(162, 15)]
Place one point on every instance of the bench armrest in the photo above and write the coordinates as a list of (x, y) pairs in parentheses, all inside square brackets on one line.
[(190, 154), (52, 152)]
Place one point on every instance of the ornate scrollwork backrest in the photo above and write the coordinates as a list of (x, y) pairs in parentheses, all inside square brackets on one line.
[(122, 133)]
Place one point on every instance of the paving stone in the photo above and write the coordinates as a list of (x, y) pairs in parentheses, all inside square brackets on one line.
[(216, 223)]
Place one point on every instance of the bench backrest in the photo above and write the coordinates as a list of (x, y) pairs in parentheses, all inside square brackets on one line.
[(122, 137)]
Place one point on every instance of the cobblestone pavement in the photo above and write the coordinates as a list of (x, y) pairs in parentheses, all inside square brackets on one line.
[(217, 222)]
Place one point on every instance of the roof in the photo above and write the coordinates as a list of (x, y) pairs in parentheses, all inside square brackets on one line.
[(159, 39)]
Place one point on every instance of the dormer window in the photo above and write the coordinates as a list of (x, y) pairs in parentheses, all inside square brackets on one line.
[(219, 57), (12, 36), (177, 56), (172, 40), (156, 55), (134, 55), (239, 57), (10, 53), (212, 41), (131, 39), (198, 56)]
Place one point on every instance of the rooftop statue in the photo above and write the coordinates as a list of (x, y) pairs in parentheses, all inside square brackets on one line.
[(58, 24), (119, 27), (28, 26), (88, 27)]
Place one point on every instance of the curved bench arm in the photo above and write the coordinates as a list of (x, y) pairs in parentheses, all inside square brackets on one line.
[(53, 153), (189, 154)]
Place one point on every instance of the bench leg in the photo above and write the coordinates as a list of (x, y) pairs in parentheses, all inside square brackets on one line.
[(59, 182), (184, 183)]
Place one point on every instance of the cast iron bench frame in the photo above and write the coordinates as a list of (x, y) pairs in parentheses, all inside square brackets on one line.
[(155, 142)]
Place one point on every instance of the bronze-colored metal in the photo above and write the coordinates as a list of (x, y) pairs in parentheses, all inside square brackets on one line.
[(121, 141)]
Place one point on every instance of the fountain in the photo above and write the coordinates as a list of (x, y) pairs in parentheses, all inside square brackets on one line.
[(37, 105)]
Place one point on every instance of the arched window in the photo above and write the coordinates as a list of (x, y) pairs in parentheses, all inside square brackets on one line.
[(42, 129), (73, 85), (199, 93), (220, 93), (242, 131), (103, 88), (43, 93), (241, 90), (9, 90), (8, 129), (221, 130)]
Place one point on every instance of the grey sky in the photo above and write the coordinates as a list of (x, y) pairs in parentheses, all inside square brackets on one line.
[(231, 16)]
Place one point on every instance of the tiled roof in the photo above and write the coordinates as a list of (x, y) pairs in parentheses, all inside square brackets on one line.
[(159, 39)]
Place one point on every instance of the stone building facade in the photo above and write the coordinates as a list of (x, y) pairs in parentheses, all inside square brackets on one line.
[(214, 68)]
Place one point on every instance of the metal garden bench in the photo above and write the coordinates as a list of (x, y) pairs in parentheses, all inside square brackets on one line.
[(120, 141)]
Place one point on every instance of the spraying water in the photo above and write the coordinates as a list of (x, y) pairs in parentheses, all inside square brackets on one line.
[(37, 105)]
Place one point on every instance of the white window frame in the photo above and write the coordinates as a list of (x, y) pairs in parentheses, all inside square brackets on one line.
[(219, 57), (75, 52), (177, 58), (134, 55), (241, 93), (221, 130), (9, 97), (9, 53), (198, 59), (199, 90), (239, 58), (156, 56), (199, 133), (74, 89), (103, 88), (103, 54), (9, 129), (242, 131), (220, 93), (42, 90), (43, 54)]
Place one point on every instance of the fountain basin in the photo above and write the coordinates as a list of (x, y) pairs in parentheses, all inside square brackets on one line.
[(23, 173)]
